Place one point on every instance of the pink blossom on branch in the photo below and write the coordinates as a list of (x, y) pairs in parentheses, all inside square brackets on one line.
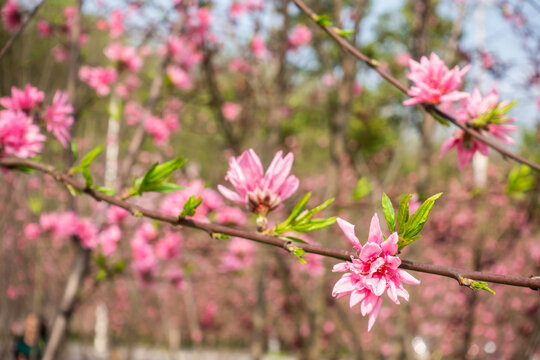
[(466, 146), (98, 78), (375, 271), (26, 100), (58, 117), (433, 82), (260, 192), (299, 35), (11, 16), (18, 135), (123, 56)]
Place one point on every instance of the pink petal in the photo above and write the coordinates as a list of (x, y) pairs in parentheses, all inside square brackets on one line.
[(348, 230), (407, 278), (390, 246), (356, 297), (375, 233), (229, 194), (369, 250), (374, 314)]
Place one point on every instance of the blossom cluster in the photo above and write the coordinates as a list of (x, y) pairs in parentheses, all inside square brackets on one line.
[(435, 84), (374, 272), (19, 134)]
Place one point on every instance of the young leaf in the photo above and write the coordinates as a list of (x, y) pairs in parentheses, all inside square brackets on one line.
[(322, 20), (362, 188), (190, 206), (403, 213), (389, 214), (74, 149), (299, 252), (419, 218), (87, 177), (479, 285), (295, 239), (105, 190), (86, 161)]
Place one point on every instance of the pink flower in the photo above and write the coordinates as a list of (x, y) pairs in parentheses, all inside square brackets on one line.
[(466, 147), (258, 46), (58, 117), (169, 246), (144, 259), (18, 135), (239, 65), (183, 52), (300, 35), (109, 238), (98, 78), (402, 59), (237, 9), (158, 129), (231, 215), (434, 82), (176, 278), (11, 16), (123, 56), (179, 77), (43, 28), (87, 232), (59, 53), (32, 231), (239, 255), (116, 24), (60, 225), (116, 214), (329, 80), (375, 271), (24, 100), (477, 110), (260, 193), (133, 112), (231, 110), (487, 60)]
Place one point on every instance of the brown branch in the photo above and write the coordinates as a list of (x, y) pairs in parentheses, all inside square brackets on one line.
[(21, 28), (461, 275), (375, 65)]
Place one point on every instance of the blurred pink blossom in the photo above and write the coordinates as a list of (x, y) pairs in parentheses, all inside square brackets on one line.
[(299, 35), (18, 135), (58, 117), (26, 100), (32, 231), (231, 110), (402, 59), (43, 28), (238, 65), (123, 56), (375, 271), (258, 46), (11, 16), (116, 23), (239, 255), (260, 193), (116, 214), (168, 247), (434, 82), (237, 9), (98, 78), (180, 78), (158, 129), (109, 238), (231, 215), (133, 113)]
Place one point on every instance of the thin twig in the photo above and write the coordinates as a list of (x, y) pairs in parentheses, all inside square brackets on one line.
[(20, 29), (375, 65), (463, 276)]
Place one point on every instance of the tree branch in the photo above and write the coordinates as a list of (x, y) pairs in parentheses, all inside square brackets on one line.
[(375, 65), (21, 28), (461, 275)]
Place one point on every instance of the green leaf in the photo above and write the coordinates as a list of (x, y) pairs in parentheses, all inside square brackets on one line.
[(190, 206), (74, 150), (119, 267), (299, 253), (362, 188), (389, 214), (419, 218), (479, 285), (520, 180), (35, 204), (156, 178), (301, 220), (106, 190), (403, 213), (87, 160), (101, 261), (307, 215), (295, 239), (101, 275), (344, 33), (298, 208), (322, 20), (87, 177)]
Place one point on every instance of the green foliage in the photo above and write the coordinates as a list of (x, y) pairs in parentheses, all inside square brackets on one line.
[(299, 253), (323, 20), (410, 227), (520, 180), (300, 220), (190, 206), (362, 188), (156, 178), (496, 116), (85, 163), (106, 190), (479, 285), (389, 214)]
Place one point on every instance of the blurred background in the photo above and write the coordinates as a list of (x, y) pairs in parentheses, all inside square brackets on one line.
[(218, 77)]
